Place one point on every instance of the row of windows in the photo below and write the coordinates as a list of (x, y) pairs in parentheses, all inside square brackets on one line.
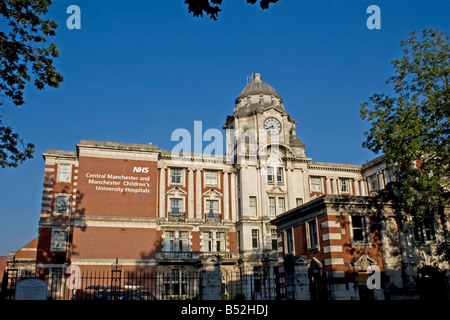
[(212, 241), (176, 176), (423, 232), (316, 185), (359, 233)]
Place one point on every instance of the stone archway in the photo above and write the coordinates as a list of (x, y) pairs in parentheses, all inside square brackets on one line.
[(432, 284)]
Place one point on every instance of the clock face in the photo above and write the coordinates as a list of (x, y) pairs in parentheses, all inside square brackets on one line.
[(272, 126)]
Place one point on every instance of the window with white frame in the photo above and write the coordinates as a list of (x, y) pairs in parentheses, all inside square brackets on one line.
[(424, 230), (270, 175), (220, 241), (289, 241), (212, 208), (274, 239), (299, 201), (344, 185), (272, 207), (316, 184), (211, 178), (176, 240), (176, 176), (255, 238), (175, 283), (312, 238), (359, 229), (58, 240), (207, 241), (372, 182), (64, 172), (252, 206), (281, 205), (280, 176), (213, 241), (176, 205)]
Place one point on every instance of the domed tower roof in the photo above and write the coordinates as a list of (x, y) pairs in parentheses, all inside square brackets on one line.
[(258, 87), (257, 97)]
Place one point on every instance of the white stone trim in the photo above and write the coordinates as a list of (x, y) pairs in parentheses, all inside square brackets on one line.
[(333, 261), (108, 262), (331, 236), (330, 224), (328, 249)]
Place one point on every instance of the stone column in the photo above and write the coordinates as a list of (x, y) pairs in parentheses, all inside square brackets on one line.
[(162, 192), (297, 279), (198, 194), (210, 279), (328, 185), (290, 190), (226, 198), (191, 200), (233, 196)]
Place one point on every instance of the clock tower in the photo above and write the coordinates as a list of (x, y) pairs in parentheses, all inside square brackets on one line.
[(270, 168), (260, 123)]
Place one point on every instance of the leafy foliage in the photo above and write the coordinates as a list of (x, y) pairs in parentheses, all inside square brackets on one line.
[(412, 127), (10, 154), (211, 7), (24, 52)]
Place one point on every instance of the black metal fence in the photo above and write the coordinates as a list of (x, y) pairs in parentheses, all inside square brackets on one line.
[(173, 285)]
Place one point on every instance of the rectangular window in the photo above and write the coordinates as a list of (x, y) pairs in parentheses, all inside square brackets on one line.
[(312, 233), (280, 177), (58, 241), (64, 172), (281, 205), (289, 241), (207, 241), (299, 201), (359, 229), (424, 231), (183, 241), (212, 207), (316, 184), (252, 206), (344, 185), (373, 182), (274, 238), (220, 241), (270, 178), (176, 176), (271, 206), (255, 236), (211, 178), (176, 205), (176, 241)]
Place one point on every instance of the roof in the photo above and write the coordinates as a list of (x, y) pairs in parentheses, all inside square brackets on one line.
[(258, 87)]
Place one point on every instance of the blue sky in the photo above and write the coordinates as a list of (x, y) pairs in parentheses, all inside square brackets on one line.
[(138, 70)]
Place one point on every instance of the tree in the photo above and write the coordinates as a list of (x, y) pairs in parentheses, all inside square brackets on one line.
[(24, 52), (212, 9), (412, 126)]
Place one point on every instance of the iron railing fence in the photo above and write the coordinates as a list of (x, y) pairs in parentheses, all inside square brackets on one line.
[(174, 285)]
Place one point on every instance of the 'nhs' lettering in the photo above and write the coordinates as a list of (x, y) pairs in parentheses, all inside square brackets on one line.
[(140, 169)]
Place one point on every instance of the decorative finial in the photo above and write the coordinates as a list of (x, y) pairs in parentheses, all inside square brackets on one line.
[(257, 77)]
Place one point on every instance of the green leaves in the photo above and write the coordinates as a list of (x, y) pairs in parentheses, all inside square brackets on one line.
[(24, 55), (412, 127), (10, 154), (24, 51)]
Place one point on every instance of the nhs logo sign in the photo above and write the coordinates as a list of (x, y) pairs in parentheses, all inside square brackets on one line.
[(140, 169)]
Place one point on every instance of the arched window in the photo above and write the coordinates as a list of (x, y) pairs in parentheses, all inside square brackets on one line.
[(175, 283)]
